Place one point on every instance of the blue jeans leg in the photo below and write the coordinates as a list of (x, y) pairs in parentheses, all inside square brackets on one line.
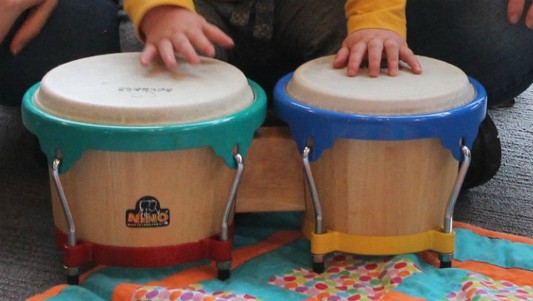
[(475, 36)]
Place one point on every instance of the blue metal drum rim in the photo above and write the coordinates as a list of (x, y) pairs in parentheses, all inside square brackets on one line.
[(456, 127)]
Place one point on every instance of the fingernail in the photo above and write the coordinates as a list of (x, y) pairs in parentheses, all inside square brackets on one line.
[(529, 23), (16, 49), (513, 19)]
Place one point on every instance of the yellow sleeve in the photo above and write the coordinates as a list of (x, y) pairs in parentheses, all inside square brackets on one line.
[(383, 14), (136, 9)]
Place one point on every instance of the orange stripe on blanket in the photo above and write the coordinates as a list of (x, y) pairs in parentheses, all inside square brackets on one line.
[(54, 291), (95, 269), (277, 240), (208, 272), (494, 234), (124, 291), (186, 277), (516, 276), (397, 296)]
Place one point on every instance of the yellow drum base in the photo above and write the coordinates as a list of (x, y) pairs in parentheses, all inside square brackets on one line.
[(435, 240)]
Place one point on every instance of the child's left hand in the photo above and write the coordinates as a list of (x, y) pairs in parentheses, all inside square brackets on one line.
[(373, 46)]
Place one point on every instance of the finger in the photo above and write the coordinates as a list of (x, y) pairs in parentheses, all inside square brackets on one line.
[(410, 59), (167, 54), (183, 46), (515, 9), (392, 51), (341, 58), (529, 17), (201, 42), (5, 25), (375, 51), (32, 25), (357, 54), (217, 36), (148, 55), (10, 12)]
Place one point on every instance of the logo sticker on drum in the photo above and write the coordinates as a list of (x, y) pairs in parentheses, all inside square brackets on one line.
[(147, 214), (143, 91)]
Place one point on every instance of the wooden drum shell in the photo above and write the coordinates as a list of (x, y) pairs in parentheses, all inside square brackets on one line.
[(383, 188), (102, 186)]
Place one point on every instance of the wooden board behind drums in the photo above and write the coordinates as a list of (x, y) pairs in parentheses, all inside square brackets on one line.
[(273, 179)]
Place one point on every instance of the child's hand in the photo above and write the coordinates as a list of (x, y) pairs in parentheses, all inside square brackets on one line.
[(373, 45), (170, 29)]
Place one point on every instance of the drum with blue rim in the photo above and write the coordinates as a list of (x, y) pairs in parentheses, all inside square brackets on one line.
[(145, 163), (384, 157)]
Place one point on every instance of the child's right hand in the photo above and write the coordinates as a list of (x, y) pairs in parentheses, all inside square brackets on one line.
[(171, 30)]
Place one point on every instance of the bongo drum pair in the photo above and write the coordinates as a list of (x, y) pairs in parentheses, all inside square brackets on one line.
[(384, 158), (145, 163)]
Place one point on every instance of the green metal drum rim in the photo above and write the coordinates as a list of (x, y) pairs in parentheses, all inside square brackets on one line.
[(72, 138)]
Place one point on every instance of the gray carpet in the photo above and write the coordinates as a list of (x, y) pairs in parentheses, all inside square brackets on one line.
[(30, 263)]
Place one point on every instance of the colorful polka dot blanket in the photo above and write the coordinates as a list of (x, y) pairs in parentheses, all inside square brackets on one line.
[(272, 262)]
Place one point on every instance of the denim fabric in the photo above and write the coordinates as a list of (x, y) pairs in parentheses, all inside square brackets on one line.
[(76, 29), (475, 36)]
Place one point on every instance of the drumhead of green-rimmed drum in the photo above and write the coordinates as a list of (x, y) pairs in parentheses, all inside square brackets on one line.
[(114, 89)]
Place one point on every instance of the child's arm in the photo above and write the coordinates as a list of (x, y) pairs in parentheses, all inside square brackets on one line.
[(376, 31)]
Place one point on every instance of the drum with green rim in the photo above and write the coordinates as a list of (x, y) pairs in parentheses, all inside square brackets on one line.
[(144, 158)]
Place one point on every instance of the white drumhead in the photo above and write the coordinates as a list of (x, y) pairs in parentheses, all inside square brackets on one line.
[(440, 87), (114, 89)]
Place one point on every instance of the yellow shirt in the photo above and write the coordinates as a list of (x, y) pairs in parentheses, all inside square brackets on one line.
[(361, 14)]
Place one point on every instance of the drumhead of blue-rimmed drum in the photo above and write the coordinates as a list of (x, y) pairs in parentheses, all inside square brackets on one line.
[(323, 104), (109, 102)]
